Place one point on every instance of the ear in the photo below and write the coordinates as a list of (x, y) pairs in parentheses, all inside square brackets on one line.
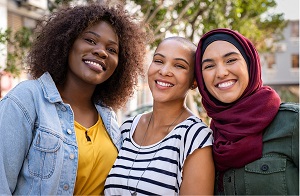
[(194, 85)]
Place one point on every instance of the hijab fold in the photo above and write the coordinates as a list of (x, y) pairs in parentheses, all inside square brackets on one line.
[(238, 127)]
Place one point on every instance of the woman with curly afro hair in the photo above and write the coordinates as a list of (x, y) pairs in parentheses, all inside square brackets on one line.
[(61, 133)]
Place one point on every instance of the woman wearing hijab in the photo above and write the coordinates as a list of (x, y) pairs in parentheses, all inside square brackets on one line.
[(256, 137)]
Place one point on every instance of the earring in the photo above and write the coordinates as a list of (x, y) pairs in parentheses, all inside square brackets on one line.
[(193, 87)]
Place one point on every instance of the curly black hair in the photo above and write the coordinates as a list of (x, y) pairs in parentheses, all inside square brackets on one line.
[(56, 34)]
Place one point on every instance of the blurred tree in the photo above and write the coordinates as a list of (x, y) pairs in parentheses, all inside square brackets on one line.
[(55, 4), (193, 18), (17, 44)]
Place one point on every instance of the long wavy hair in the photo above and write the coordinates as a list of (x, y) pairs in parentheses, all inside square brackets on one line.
[(56, 33)]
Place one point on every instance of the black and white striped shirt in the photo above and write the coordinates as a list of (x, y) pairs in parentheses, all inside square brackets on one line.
[(163, 175)]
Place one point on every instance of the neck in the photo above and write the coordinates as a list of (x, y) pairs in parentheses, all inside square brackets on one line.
[(158, 127), (76, 96), (164, 115)]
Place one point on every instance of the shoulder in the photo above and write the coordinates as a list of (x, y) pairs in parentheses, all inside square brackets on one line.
[(193, 129), (23, 101), (192, 120), (40, 90), (287, 119), (128, 123), (27, 87), (193, 123), (292, 107), (24, 93), (288, 112)]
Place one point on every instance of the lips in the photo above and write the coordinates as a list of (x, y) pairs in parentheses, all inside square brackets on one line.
[(164, 84), (96, 65), (226, 84)]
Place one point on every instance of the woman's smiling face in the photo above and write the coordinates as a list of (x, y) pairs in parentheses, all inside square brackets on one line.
[(225, 71), (171, 72), (94, 55)]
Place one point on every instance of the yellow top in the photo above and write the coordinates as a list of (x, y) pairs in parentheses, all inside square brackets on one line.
[(96, 158)]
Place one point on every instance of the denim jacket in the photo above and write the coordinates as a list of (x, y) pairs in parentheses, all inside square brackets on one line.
[(277, 171), (38, 148)]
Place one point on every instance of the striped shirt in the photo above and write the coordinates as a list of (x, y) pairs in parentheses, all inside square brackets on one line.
[(157, 169)]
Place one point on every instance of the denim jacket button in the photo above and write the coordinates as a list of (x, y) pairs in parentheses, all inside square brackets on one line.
[(66, 187), (264, 167), (63, 108), (69, 131), (72, 156)]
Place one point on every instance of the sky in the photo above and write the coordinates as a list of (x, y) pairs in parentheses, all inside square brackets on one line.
[(290, 8)]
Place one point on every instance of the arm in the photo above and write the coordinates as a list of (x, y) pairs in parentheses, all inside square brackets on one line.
[(14, 144), (295, 147), (198, 173)]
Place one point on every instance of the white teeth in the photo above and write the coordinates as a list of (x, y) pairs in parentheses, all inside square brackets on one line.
[(93, 63), (164, 84), (225, 84)]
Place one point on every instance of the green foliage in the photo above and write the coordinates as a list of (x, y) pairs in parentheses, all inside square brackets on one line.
[(194, 18), (54, 4), (17, 45), (288, 93)]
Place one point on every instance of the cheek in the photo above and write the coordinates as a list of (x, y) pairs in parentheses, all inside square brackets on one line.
[(71, 58), (206, 78), (191, 79), (151, 70), (246, 81), (115, 61), (245, 77)]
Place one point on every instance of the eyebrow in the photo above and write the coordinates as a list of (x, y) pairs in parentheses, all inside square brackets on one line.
[(97, 35), (178, 59), (225, 55)]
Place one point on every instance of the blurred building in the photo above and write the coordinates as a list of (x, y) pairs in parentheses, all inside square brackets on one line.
[(280, 68), (15, 14)]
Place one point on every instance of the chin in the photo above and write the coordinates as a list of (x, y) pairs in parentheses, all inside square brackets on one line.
[(229, 100)]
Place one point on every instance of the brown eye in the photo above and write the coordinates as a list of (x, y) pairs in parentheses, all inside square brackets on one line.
[(112, 50), (90, 41), (180, 66), (231, 60), (208, 66), (158, 61)]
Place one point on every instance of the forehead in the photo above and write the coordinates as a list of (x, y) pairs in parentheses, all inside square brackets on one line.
[(220, 47), (103, 28), (175, 49)]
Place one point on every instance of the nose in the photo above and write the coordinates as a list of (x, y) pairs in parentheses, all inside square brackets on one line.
[(165, 70), (100, 51), (222, 71)]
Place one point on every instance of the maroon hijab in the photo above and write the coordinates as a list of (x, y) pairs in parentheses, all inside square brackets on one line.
[(238, 126)]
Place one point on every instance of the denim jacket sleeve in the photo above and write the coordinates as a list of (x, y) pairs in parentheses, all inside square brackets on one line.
[(14, 145)]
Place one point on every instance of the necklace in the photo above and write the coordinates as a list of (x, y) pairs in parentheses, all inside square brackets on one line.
[(134, 193)]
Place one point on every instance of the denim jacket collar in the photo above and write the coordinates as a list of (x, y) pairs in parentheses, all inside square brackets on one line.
[(49, 88)]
